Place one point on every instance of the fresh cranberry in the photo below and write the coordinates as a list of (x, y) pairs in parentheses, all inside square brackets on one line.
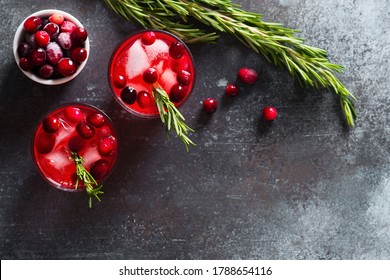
[(144, 99), (24, 50), (66, 67), (30, 40), (51, 124), (76, 143), (107, 145), (44, 142), (231, 90), (247, 75), (32, 24), (79, 54), (52, 29), (177, 92), (56, 18), (67, 26), (42, 38), (85, 130), (79, 35), (99, 169), (64, 40), (129, 95), (148, 38), (210, 105), (73, 114), (184, 77), (37, 57), (53, 53), (150, 75), (46, 71), (25, 64), (96, 119), (179, 64), (269, 113), (176, 50), (119, 81)]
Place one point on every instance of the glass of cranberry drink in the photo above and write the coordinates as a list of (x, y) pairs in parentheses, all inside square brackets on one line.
[(75, 148), (51, 47)]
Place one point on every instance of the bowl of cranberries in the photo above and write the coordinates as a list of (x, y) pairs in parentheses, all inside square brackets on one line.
[(51, 47)]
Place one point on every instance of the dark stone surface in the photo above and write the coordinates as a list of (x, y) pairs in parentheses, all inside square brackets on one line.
[(305, 187)]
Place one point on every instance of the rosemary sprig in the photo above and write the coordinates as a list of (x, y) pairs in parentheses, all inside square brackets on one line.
[(278, 44), (91, 186)]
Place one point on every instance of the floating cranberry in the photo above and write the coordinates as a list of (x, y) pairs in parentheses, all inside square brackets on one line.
[(52, 29), (231, 90), (79, 54), (184, 77), (51, 124), (64, 40), (66, 67), (56, 18), (269, 113), (46, 71), (53, 53), (44, 142), (247, 75), (119, 81), (96, 119), (177, 92), (179, 64), (144, 99), (99, 169), (79, 35), (25, 64), (76, 143), (148, 38), (32, 24), (129, 95), (24, 50), (210, 105), (67, 26), (73, 114), (176, 50), (150, 75), (85, 130), (107, 145), (37, 57)]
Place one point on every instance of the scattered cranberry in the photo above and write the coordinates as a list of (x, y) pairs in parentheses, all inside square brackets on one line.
[(99, 169), (247, 75), (67, 26), (24, 50), (150, 75), (52, 29), (45, 142), (177, 92), (56, 18), (51, 124), (144, 99), (66, 67), (107, 145), (85, 130), (76, 143), (269, 113), (96, 119), (210, 105), (42, 38), (176, 50), (53, 53), (37, 57), (184, 77), (148, 38), (32, 24), (231, 90), (120, 81), (129, 95), (73, 114), (25, 64), (79, 35), (64, 40), (46, 71), (79, 54)]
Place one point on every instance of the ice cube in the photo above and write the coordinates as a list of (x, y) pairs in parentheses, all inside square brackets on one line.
[(137, 61), (90, 156), (158, 50), (168, 79), (58, 163)]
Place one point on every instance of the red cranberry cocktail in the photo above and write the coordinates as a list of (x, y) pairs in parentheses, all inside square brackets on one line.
[(74, 133), (147, 60)]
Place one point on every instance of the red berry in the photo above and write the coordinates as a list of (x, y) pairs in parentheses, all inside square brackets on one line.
[(85, 130), (76, 143), (79, 35), (73, 114), (144, 99), (177, 92), (79, 54), (56, 18), (25, 64), (231, 90), (37, 57), (51, 124), (148, 38), (184, 77), (128, 95), (96, 119), (99, 169), (210, 105), (176, 50), (150, 75), (42, 38), (247, 75), (44, 142), (67, 26), (52, 29), (66, 67), (64, 40), (107, 145), (53, 53), (119, 81), (179, 64), (46, 71), (269, 113), (32, 24), (24, 50)]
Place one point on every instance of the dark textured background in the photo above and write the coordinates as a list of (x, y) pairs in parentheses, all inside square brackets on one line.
[(305, 187)]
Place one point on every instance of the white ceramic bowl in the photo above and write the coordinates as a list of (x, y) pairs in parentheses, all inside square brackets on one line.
[(20, 33)]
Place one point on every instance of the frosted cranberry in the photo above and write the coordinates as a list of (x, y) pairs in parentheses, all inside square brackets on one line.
[(148, 38), (99, 169), (67, 26), (53, 53), (150, 75), (177, 92), (66, 67), (247, 75), (79, 35), (64, 40), (176, 50), (231, 90), (42, 38), (52, 29), (46, 71), (85, 130), (79, 54), (73, 114), (144, 99), (23, 50), (76, 143), (25, 64), (107, 145), (269, 113), (32, 24), (129, 95), (119, 81), (44, 142), (56, 18), (210, 105), (37, 57), (184, 77), (51, 124), (96, 119)]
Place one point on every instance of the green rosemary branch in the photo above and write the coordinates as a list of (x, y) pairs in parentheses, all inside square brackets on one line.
[(171, 116), (91, 186), (278, 44)]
